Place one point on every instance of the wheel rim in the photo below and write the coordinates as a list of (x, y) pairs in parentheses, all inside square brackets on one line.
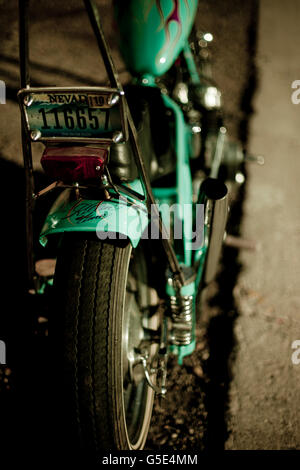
[(137, 395)]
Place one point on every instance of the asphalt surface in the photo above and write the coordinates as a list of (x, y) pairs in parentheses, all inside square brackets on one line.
[(265, 390), (240, 389)]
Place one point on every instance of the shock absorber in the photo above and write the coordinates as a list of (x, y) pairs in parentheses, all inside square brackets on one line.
[(182, 318)]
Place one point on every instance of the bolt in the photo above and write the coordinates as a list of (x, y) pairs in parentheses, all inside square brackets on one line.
[(36, 134), (28, 100), (117, 137), (113, 99)]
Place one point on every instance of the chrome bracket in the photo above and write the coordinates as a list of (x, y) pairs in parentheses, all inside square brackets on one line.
[(158, 365), (160, 370)]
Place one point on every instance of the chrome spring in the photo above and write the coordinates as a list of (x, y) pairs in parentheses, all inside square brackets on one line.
[(182, 318)]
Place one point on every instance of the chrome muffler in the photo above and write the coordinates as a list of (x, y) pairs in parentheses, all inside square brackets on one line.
[(214, 195)]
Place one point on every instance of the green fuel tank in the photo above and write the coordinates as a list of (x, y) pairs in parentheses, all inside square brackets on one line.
[(152, 33)]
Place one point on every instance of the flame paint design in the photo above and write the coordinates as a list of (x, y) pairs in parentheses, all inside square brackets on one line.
[(165, 22)]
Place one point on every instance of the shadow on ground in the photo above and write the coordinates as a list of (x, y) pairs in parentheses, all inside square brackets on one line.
[(26, 391)]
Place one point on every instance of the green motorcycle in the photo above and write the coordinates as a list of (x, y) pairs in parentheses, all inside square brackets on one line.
[(139, 218)]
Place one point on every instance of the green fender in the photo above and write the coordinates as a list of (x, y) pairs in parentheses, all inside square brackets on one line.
[(108, 219)]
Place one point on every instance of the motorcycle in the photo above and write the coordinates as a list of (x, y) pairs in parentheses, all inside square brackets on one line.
[(140, 215)]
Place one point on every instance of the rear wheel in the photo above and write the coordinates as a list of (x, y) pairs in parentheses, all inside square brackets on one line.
[(104, 299)]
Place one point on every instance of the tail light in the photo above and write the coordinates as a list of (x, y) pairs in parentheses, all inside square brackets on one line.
[(70, 164)]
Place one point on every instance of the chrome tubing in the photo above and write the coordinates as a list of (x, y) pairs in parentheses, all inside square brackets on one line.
[(214, 195)]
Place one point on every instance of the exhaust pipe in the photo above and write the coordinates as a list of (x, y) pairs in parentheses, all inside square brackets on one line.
[(214, 196)]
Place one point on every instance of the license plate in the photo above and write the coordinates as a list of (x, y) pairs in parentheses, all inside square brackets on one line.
[(73, 114)]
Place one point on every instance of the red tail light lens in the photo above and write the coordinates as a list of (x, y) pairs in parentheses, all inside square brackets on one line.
[(70, 164)]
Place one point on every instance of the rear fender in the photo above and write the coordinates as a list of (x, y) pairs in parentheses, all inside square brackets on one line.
[(108, 219)]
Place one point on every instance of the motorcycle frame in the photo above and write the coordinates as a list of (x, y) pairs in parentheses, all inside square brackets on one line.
[(178, 283), (177, 273)]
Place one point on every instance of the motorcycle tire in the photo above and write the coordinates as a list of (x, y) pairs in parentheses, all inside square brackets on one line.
[(103, 297)]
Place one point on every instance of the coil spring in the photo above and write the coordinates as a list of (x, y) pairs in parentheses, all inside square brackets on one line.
[(182, 317)]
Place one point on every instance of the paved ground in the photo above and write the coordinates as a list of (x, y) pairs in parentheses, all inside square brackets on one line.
[(265, 391)]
